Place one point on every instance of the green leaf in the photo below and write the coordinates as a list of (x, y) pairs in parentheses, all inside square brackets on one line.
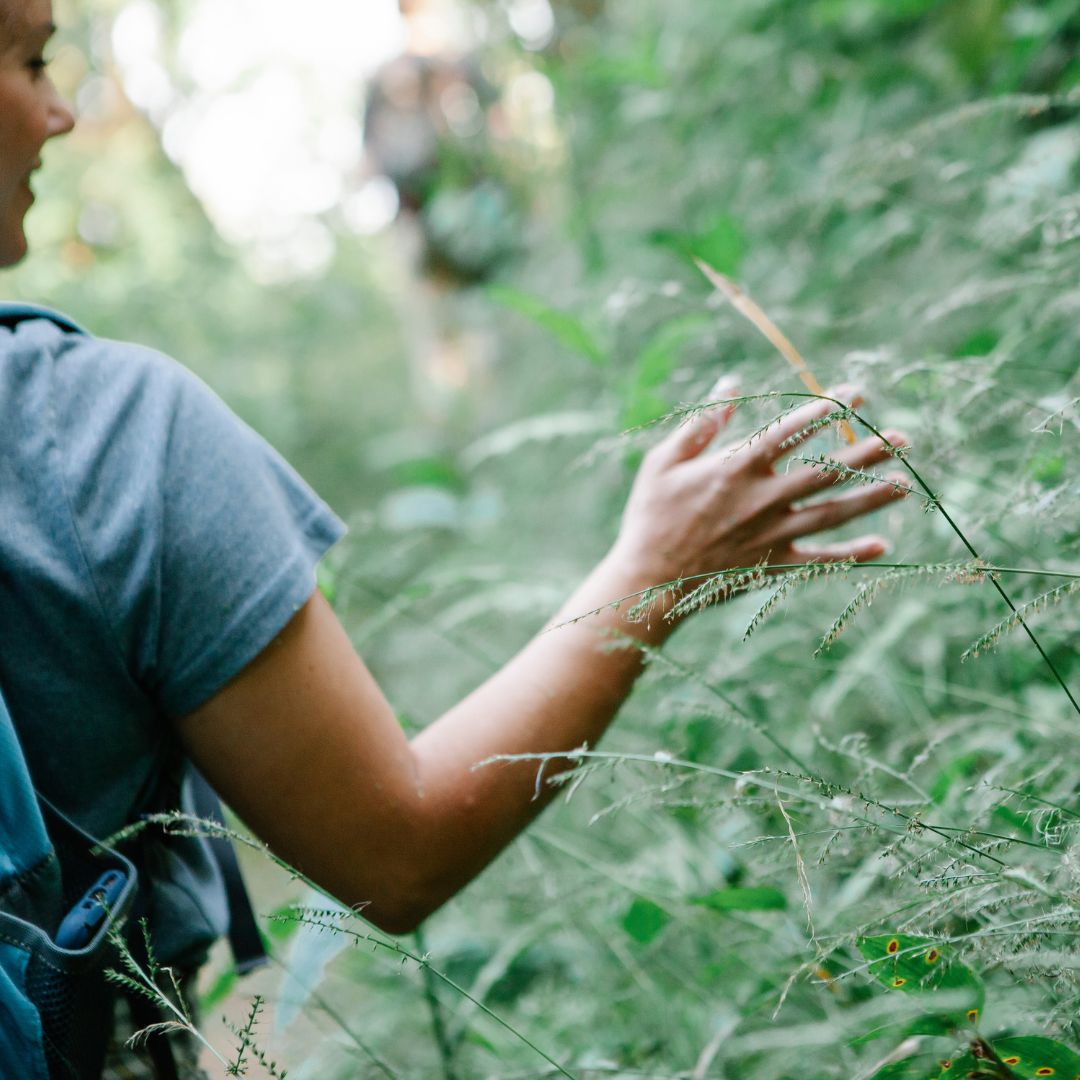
[(218, 990), (643, 407), (751, 898), (1047, 467), (642, 402), (1030, 1056), (925, 1067), (981, 343), (429, 472), (644, 920), (326, 579), (917, 965), (722, 246), (964, 1065), (655, 361), (908, 1069), (561, 325)]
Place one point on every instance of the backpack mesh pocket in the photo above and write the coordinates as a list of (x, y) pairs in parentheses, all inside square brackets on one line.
[(68, 987)]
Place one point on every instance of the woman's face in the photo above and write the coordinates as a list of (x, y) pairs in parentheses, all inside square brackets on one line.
[(31, 112)]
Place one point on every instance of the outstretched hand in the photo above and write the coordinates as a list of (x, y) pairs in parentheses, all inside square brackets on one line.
[(692, 512), (402, 825)]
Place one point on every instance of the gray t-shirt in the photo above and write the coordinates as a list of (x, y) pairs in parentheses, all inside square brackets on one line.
[(151, 546)]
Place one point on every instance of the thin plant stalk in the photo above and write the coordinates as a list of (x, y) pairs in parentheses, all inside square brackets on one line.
[(435, 1008)]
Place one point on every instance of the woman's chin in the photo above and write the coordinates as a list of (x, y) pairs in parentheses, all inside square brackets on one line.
[(13, 248)]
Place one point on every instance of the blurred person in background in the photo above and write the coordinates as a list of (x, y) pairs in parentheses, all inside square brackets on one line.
[(427, 124), (158, 608)]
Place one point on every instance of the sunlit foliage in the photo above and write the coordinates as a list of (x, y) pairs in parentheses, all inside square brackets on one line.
[(896, 185)]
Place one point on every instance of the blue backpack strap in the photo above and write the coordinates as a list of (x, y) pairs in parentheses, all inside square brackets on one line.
[(24, 851), (13, 314), (55, 1006)]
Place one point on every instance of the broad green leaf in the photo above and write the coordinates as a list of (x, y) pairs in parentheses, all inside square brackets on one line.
[(934, 1024), (920, 1068), (751, 898), (642, 407), (1047, 467), (896, 1030), (655, 361), (642, 403), (921, 966), (429, 472), (722, 246), (981, 343), (566, 328), (1030, 1056), (218, 990), (644, 920), (965, 1066), (925, 1067)]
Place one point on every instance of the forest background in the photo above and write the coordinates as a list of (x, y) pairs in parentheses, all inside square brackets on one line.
[(462, 339)]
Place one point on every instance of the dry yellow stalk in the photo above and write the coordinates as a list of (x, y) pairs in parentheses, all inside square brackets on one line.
[(748, 309)]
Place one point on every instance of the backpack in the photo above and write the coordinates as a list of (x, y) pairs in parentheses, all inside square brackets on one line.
[(55, 1015), (62, 897)]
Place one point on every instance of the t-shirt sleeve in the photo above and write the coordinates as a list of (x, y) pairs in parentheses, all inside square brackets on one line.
[(200, 541)]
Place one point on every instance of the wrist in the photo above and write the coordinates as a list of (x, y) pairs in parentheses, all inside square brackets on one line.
[(644, 591)]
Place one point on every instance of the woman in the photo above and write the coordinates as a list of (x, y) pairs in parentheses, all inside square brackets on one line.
[(157, 606)]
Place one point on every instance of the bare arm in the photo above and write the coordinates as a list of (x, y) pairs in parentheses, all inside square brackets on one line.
[(304, 746)]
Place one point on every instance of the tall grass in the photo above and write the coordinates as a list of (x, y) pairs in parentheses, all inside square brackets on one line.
[(825, 759), (892, 187)]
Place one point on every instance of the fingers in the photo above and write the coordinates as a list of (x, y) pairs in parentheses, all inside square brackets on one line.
[(830, 513), (861, 549), (806, 480), (691, 438), (770, 445)]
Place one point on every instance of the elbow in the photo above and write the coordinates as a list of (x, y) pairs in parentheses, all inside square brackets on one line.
[(393, 921), (398, 912)]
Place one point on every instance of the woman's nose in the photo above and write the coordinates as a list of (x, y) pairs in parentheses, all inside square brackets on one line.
[(61, 118)]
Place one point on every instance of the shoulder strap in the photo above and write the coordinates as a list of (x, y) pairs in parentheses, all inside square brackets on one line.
[(11, 314), (54, 929), (245, 941)]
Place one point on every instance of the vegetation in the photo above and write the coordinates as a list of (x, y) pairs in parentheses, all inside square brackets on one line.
[(835, 831)]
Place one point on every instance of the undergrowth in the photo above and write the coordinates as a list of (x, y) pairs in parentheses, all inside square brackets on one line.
[(825, 760)]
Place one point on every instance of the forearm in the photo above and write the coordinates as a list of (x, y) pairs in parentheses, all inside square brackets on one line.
[(560, 692), (304, 745)]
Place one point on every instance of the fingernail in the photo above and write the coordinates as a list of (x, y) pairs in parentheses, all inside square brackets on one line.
[(703, 423), (724, 387), (901, 487), (895, 438), (844, 392)]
